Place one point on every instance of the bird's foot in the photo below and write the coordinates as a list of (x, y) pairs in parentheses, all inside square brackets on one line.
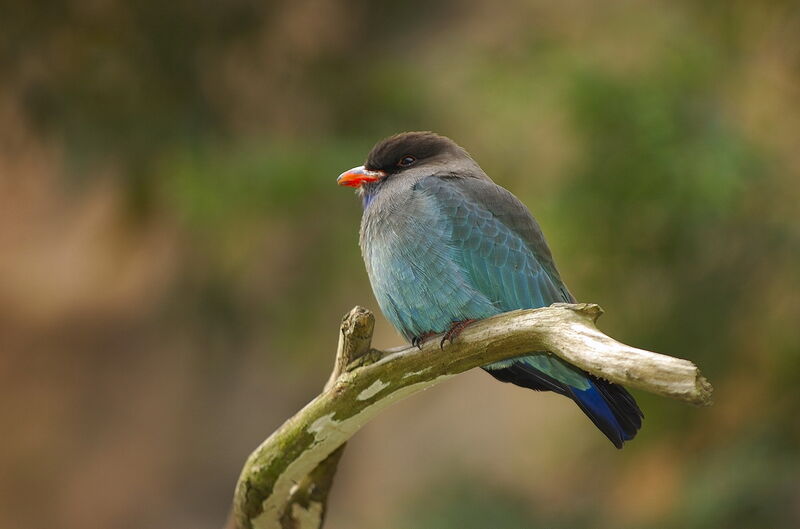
[(416, 341), (455, 329)]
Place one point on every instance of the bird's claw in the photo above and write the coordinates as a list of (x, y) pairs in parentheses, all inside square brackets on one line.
[(455, 329), (417, 341)]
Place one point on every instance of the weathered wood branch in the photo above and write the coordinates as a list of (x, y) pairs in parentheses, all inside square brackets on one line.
[(285, 481)]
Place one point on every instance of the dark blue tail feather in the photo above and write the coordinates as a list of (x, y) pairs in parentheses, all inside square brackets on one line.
[(611, 409), (609, 406)]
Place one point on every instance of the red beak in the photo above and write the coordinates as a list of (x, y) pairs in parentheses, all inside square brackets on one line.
[(357, 176)]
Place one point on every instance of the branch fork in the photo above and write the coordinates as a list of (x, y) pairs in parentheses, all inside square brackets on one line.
[(285, 482)]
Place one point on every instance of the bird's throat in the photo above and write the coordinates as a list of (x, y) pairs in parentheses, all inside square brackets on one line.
[(368, 193)]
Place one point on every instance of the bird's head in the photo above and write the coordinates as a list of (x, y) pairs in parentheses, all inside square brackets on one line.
[(409, 155)]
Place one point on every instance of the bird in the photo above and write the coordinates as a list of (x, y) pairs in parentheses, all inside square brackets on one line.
[(444, 246)]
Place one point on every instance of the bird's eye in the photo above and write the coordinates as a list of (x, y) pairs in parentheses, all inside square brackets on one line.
[(405, 161)]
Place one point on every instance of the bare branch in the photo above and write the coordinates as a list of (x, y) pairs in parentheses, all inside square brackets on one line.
[(308, 499), (285, 482), (355, 338)]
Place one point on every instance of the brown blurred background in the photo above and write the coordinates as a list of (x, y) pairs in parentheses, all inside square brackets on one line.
[(175, 256)]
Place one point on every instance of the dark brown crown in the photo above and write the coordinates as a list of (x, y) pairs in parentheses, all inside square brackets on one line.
[(421, 145)]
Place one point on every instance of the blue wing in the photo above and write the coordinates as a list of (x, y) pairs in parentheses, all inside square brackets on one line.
[(501, 250), (498, 262), (511, 266)]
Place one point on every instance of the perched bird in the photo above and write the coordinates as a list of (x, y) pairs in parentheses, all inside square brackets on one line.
[(444, 245)]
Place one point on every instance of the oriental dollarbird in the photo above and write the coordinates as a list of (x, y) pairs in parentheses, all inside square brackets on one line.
[(444, 246)]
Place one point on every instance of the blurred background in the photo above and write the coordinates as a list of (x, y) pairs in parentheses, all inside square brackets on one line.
[(175, 256)]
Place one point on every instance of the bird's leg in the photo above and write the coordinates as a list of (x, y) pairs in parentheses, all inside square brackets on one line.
[(455, 329), (416, 341)]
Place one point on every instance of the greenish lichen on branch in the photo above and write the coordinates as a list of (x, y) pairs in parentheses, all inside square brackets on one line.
[(297, 462)]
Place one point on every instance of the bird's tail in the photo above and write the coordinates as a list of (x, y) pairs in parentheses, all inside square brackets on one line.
[(609, 406)]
